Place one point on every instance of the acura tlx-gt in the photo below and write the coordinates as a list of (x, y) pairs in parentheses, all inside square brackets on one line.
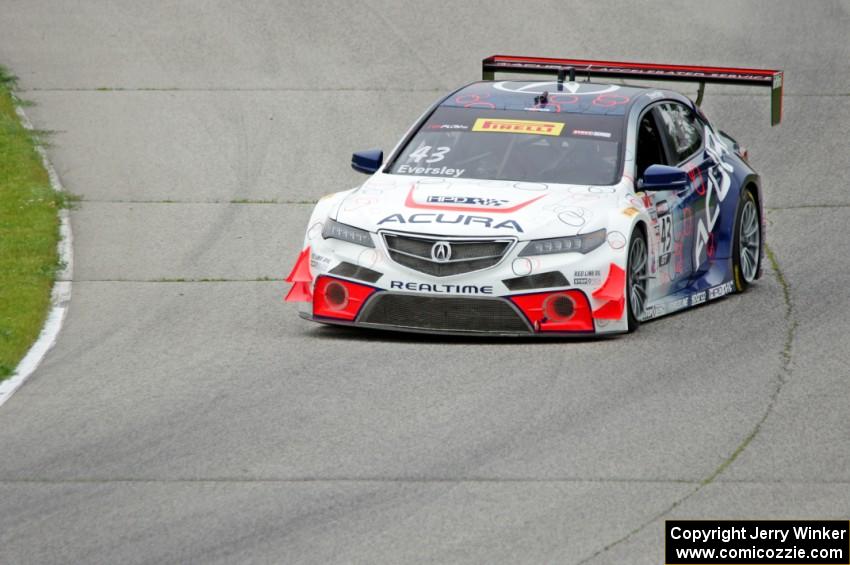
[(543, 206)]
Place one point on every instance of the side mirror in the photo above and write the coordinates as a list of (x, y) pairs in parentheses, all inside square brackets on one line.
[(367, 161), (662, 177)]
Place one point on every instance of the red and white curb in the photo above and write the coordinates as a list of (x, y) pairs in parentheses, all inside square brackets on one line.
[(60, 295)]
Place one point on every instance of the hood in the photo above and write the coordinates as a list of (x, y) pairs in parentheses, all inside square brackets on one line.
[(476, 208)]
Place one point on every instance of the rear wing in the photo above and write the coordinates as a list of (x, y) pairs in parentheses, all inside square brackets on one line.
[(611, 69)]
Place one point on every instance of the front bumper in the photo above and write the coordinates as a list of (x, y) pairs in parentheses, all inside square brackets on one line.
[(437, 314), (550, 313), (525, 332), (386, 295)]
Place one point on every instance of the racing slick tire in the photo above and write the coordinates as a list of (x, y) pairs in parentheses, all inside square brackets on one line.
[(637, 267), (746, 249)]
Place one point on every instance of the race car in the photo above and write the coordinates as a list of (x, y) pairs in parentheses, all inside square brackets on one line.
[(545, 206)]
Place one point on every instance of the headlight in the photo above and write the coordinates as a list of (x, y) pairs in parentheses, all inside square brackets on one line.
[(336, 230), (576, 243)]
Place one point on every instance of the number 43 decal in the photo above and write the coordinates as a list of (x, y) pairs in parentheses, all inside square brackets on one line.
[(422, 153), (666, 234)]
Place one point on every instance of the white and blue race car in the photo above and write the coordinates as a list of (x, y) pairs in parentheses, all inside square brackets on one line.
[(553, 206)]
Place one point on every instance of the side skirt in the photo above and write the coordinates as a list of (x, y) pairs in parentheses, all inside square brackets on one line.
[(685, 299)]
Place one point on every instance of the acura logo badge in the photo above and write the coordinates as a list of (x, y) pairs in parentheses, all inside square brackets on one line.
[(441, 252)]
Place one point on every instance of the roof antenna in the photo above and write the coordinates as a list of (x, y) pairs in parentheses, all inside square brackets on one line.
[(562, 75)]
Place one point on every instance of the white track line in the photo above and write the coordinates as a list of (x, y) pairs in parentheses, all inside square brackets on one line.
[(59, 296)]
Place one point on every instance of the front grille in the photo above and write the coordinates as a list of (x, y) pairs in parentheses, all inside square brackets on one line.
[(443, 313), (466, 255)]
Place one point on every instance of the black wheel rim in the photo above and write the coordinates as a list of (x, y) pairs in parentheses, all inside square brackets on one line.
[(638, 266), (749, 239)]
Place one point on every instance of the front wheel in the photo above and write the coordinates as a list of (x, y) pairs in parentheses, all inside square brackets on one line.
[(638, 268), (747, 243)]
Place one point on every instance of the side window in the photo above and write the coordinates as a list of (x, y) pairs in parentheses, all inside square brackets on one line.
[(649, 148), (682, 130)]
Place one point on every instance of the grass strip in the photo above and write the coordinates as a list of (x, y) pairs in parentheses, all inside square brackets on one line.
[(29, 232)]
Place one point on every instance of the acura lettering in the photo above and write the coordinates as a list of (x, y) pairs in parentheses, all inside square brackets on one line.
[(462, 219)]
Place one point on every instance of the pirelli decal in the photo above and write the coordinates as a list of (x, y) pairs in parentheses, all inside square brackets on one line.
[(518, 126)]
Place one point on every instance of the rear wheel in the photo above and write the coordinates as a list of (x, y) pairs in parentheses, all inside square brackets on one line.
[(638, 273), (747, 246)]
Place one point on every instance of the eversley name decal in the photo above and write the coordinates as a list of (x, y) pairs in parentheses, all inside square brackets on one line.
[(463, 219), (435, 171)]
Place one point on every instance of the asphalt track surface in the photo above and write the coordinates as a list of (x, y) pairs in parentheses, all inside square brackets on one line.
[(187, 415)]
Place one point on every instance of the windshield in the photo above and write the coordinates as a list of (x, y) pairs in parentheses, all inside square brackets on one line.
[(515, 145)]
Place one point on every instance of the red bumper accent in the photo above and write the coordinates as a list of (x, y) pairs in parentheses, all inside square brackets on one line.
[(300, 277), (337, 298), (301, 271), (300, 292), (539, 313), (613, 292)]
